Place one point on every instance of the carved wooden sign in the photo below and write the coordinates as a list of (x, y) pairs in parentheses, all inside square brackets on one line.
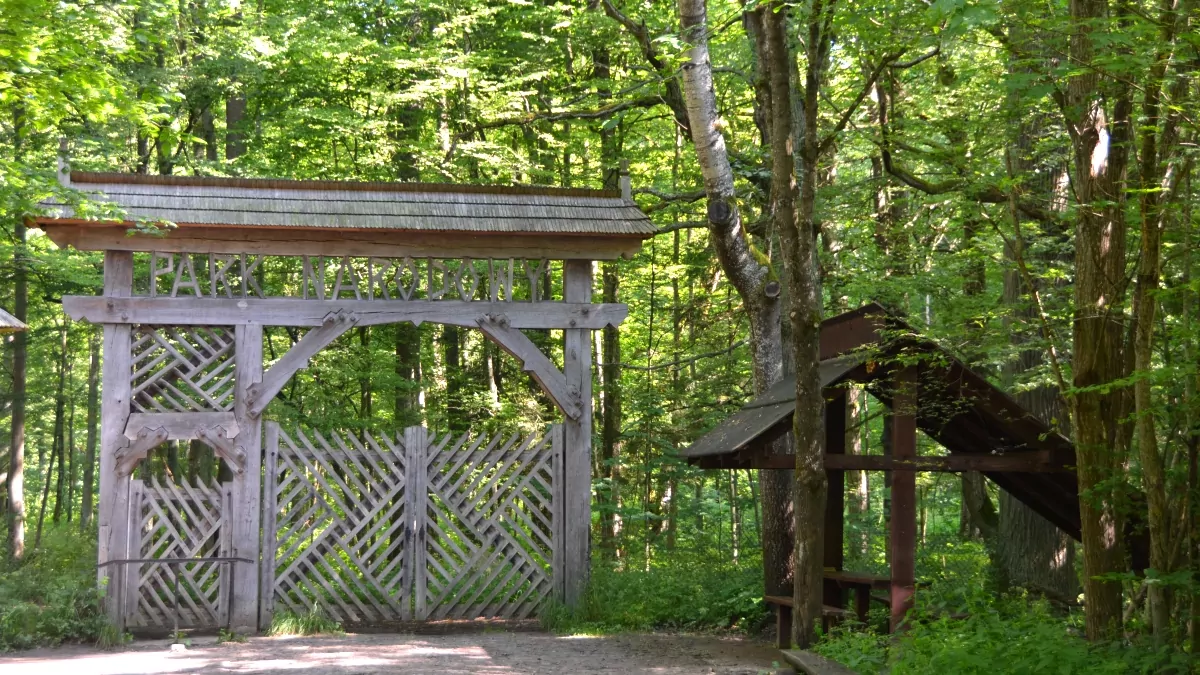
[(212, 275)]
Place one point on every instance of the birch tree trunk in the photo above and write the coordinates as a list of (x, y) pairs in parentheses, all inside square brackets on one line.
[(748, 272)]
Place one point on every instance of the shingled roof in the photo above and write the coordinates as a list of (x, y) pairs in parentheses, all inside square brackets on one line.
[(359, 206)]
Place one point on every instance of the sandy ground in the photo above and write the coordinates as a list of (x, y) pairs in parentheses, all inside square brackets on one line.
[(486, 653)]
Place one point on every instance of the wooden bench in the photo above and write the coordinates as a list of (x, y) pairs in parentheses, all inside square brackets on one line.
[(814, 664), (783, 618)]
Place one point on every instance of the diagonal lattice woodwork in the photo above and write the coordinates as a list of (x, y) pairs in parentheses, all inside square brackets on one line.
[(491, 522), (182, 369), (340, 532), (179, 520), (370, 529)]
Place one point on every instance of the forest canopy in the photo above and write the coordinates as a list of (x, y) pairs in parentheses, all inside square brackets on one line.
[(1014, 178)]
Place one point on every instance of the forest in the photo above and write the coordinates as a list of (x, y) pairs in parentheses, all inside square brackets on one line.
[(1012, 178)]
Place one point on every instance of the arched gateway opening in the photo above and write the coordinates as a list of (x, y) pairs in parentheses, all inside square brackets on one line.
[(372, 526)]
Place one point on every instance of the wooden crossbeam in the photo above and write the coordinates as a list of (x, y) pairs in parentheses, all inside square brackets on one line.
[(332, 326), (499, 328), (135, 450), (181, 426), (1023, 461), (301, 312)]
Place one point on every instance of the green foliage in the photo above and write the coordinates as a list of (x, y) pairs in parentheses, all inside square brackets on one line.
[(677, 592), (1015, 636), (51, 597), (312, 622)]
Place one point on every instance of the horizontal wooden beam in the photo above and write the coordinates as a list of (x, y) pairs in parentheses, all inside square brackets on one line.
[(1038, 461), (191, 238), (181, 426), (300, 312)]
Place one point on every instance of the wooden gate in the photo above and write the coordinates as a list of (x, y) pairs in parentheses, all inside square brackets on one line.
[(371, 529), (170, 520)]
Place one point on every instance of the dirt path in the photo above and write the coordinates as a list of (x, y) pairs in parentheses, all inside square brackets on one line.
[(483, 653)]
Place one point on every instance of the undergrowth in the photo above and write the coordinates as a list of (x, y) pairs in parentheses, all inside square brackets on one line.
[(312, 622), (681, 592), (51, 596), (1012, 636)]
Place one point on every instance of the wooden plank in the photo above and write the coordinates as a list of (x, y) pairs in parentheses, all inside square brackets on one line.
[(305, 241), (181, 426), (835, 521), (270, 542), (300, 312), (520, 347), (333, 326), (114, 411), (1032, 461), (247, 484), (903, 530), (416, 440), (813, 664), (577, 439)]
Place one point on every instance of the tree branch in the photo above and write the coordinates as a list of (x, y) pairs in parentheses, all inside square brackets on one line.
[(862, 94)]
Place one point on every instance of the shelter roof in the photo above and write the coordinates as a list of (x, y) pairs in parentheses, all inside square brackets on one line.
[(10, 323), (956, 406)]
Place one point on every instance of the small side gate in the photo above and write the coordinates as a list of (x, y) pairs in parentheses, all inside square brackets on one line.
[(171, 521), (374, 529)]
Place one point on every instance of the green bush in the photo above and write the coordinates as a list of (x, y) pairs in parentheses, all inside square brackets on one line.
[(51, 597), (1015, 636), (682, 592), (312, 622)]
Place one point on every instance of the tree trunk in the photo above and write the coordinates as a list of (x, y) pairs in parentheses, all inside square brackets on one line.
[(753, 280), (1100, 142), (16, 457), (60, 421), (793, 200), (89, 464)]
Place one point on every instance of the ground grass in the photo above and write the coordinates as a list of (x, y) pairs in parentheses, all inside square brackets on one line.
[(312, 622), (682, 592)]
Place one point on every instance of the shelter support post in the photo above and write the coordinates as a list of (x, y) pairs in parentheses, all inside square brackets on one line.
[(577, 441), (114, 413), (835, 524), (248, 364), (904, 494)]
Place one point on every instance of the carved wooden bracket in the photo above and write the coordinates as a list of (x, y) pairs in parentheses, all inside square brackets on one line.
[(223, 446), (259, 394), (553, 382), (135, 450)]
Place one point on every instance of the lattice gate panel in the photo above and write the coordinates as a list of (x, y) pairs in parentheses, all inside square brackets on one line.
[(369, 529), (490, 539), (179, 520), (336, 521), (183, 369)]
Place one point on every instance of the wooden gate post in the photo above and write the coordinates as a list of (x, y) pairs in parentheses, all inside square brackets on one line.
[(416, 440), (113, 516), (577, 455), (246, 484)]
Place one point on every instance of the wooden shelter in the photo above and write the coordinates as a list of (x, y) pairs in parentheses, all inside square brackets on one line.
[(928, 389), (371, 527)]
